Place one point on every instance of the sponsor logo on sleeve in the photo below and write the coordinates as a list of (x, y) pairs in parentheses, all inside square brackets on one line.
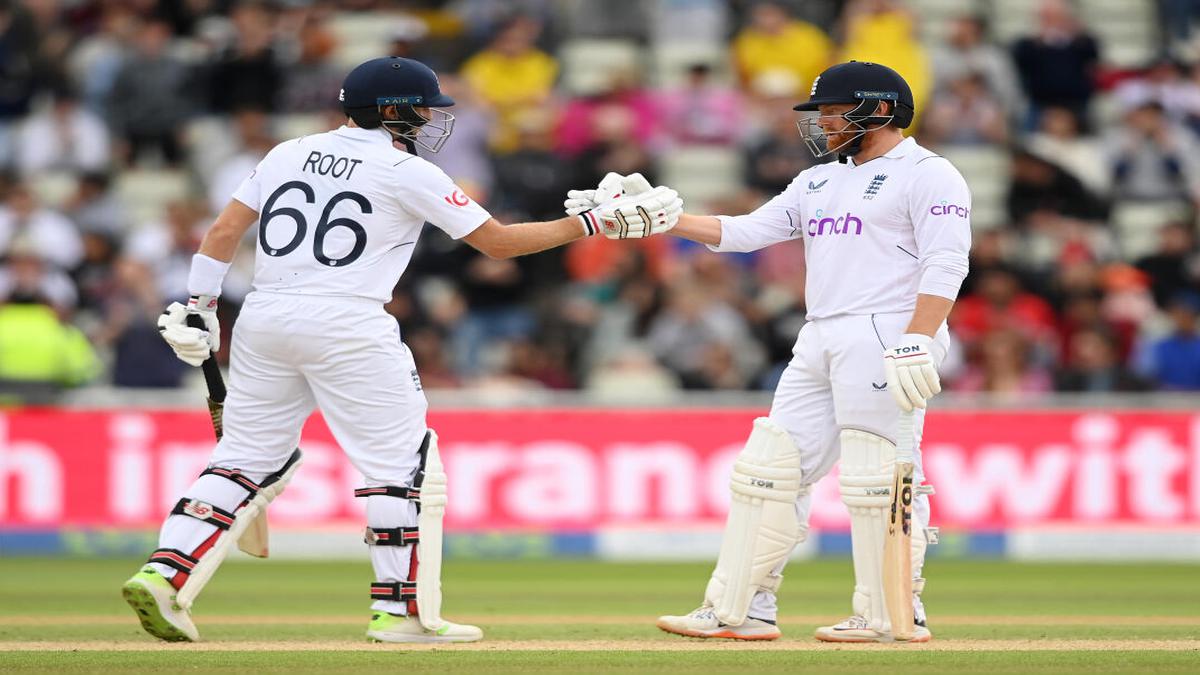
[(457, 199), (945, 208)]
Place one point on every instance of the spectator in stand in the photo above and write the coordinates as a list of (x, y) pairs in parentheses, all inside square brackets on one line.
[(66, 137), (152, 96), (94, 207), (1057, 65), (166, 249), (247, 74), (1175, 267), (1002, 366), (1154, 159), (1095, 368), (1173, 361), (1059, 140), (40, 353), (311, 82), (140, 356), (706, 342), (50, 235), (883, 31), (1164, 82), (622, 110), (701, 112), (20, 72), (632, 374), (966, 50), (966, 113), (97, 58), (1040, 187), (94, 275), (512, 76), (251, 126), (774, 41), (999, 302), (775, 154), (531, 181)]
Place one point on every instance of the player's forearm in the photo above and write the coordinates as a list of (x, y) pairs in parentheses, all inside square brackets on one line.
[(930, 314), (518, 239), (701, 229)]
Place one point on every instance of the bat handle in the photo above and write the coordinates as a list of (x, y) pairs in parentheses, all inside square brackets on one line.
[(906, 439), (212, 372)]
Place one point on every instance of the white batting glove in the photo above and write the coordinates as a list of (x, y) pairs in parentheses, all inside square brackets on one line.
[(641, 215), (912, 376), (579, 201), (191, 345)]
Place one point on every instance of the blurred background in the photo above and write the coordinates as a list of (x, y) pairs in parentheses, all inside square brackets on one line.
[(610, 382)]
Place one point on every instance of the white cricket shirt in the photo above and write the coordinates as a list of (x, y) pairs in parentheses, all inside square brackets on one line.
[(340, 213), (875, 235)]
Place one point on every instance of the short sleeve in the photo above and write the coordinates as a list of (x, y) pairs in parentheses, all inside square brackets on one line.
[(249, 192), (427, 192)]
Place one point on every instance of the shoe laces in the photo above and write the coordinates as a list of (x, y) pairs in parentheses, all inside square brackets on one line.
[(855, 622), (703, 612)]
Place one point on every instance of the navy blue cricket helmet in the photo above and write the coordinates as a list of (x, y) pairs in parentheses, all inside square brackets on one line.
[(862, 83), (375, 86)]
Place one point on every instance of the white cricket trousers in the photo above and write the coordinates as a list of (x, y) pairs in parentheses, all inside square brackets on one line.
[(836, 381), (289, 355)]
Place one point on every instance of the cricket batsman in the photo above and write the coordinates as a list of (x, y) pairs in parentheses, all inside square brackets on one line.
[(886, 232), (338, 216)]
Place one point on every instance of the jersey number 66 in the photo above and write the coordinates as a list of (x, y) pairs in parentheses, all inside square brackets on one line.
[(324, 225)]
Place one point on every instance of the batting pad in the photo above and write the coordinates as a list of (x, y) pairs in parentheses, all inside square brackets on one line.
[(866, 475), (429, 548), (762, 528)]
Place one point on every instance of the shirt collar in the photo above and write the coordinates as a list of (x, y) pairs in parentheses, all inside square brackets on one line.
[(902, 149), (366, 134)]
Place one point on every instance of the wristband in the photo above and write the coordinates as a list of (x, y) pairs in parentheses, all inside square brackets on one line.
[(206, 275), (591, 224)]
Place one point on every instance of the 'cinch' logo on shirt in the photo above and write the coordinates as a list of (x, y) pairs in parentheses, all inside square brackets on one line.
[(840, 225), (946, 209)]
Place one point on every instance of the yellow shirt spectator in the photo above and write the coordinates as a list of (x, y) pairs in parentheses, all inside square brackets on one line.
[(775, 42), (511, 76), (887, 37)]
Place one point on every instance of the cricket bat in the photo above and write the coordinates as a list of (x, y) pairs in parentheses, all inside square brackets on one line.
[(254, 540), (897, 547)]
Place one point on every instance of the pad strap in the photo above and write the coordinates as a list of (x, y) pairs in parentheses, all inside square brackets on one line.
[(398, 591), (174, 558), (236, 476), (391, 536), (205, 512), (389, 491)]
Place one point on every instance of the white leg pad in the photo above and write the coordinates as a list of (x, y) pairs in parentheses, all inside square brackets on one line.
[(245, 517), (866, 475), (429, 547), (762, 527)]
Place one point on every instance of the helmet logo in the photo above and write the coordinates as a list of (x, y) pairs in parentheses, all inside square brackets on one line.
[(342, 95), (813, 92)]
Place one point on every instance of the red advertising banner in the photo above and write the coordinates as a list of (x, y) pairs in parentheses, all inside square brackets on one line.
[(584, 469)]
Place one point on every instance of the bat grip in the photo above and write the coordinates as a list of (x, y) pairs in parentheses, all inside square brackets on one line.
[(906, 439), (212, 372)]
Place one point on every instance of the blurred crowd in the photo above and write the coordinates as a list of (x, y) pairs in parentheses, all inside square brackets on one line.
[(109, 105)]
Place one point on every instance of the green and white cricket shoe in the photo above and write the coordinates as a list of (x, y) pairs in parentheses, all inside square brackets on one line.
[(152, 598), (386, 627)]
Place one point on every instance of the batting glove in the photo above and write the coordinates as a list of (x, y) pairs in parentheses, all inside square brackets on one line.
[(641, 215), (191, 345), (911, 373)]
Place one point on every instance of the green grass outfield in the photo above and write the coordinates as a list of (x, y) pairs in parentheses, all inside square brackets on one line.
[(66, 615)]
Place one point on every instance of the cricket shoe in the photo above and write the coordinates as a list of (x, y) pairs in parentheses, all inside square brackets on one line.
[(386, 627), (703, 623), (858, 629), (152, 598)]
